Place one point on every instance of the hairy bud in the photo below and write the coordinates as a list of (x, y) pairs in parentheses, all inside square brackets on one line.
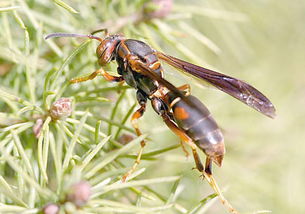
[(79, 193), (61, 109), (37, 127), (125, 138), (158, 8), (50, 209)]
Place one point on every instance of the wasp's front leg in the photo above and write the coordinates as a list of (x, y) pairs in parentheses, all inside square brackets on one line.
[(142, 100), (100, 71)]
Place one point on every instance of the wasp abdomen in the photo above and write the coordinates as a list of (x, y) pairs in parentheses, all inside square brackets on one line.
[(199, 125)]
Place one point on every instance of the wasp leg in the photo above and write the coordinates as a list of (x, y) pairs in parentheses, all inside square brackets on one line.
[(207, 173), (211, 180), (208, 166), (111, 78), (160, 107), (185, 138), (184, 149), (83, 79), (142, 99), (186, 88), (101, 71)]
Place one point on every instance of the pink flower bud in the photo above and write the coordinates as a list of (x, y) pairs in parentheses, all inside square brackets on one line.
[(50, 209), (61, 109), (79, 193), (125, 138), (37, 127), (164, 7)]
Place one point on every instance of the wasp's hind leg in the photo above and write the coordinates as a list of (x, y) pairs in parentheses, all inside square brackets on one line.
[(208, 166), (142, 100), (207, 172), (101, 71)]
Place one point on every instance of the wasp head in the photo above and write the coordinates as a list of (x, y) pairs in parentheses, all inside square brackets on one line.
[(106, 50)]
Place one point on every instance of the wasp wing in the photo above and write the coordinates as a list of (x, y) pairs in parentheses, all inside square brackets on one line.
[(234, 87), (145, 70)]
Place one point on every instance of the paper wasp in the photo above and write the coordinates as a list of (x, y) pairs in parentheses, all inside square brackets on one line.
[(139, 66)]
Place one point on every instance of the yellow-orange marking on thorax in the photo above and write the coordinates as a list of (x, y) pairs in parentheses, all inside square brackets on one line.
[(180, 113)]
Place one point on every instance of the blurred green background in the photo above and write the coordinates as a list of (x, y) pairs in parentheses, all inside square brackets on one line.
[(261, 42)]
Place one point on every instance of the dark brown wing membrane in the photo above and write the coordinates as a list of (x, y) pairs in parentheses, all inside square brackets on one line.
[(234, 87)]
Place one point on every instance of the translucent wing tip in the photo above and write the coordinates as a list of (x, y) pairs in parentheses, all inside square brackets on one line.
[(270, 111), (263, 106)]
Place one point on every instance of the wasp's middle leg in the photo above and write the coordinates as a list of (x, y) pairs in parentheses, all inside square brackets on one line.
[(142, 100)]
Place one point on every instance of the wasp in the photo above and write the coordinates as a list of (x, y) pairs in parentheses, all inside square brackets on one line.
[(140, 67)]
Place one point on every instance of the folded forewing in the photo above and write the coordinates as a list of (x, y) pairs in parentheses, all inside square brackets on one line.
[(234, 87)]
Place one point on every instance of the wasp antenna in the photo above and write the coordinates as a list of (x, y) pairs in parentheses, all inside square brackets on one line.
[(105, 30), (72, 35)]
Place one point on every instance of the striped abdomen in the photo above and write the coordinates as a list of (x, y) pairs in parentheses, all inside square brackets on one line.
[(197, 122)]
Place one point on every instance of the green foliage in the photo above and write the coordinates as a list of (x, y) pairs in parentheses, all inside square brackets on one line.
[(40, 158)]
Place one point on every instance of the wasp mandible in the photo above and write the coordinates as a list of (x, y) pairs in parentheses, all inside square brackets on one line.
[(139, 66)]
